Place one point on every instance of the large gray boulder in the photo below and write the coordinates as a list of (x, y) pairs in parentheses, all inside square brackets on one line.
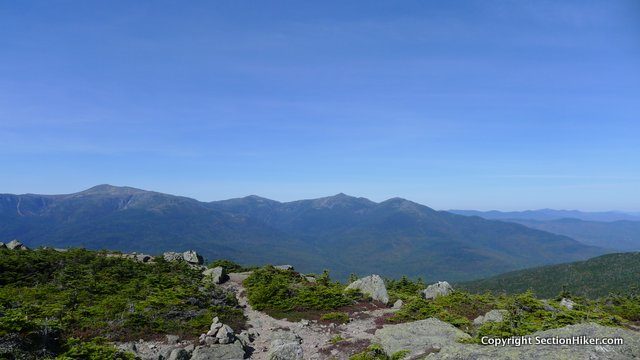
[(172, 256), (285, 345), (630, 349), (2, 245), (16, 245), (284, 267), (373, 286), (192, 257), (491, 316), (233, 351), (216, 275), (418, 337), (441, 288)]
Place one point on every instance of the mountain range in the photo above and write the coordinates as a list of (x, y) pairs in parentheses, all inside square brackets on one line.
[(612, 230), (550, 214), (596, 277), (343, 233)]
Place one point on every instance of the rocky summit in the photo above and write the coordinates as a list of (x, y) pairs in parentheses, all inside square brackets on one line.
[(174, 307)]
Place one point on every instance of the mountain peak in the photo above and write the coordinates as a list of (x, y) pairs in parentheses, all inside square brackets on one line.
[(340, 200), (106, 189)]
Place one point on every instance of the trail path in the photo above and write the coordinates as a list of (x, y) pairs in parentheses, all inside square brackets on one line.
[(316, 337)]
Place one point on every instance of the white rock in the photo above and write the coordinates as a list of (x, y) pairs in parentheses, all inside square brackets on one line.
[(373, 286), (567, 303), (441, 288)]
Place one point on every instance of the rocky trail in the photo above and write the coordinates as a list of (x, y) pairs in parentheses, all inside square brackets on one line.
[(306, 339)]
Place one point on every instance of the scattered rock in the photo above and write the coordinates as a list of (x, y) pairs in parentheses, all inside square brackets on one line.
[(225, 334), (398, 304), (285, 346), (373, 286), (567, 303), (192, 257), (233, 351), (216, 275), (630, 349), (491, 316), (440, 288), (284, 267), (16, 245), (172, 256), (418, 337), (178, 354), (172, 339)]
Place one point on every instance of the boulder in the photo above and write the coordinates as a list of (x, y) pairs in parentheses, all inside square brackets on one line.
[(418, 337), (233, 351), (285, 345), (491, 316), (440, 288), (225, 334), (216, 275), (178, 354), (284, 267), (143, 258), (172, 256), (172, 339), (16, 245), (373, 286), (192, 257), (398, 304), (630, 349), (2, 245), (567, 303)]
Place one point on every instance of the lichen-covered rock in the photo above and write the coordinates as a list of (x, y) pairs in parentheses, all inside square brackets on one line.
[(418, 337), (398, 304), (567, 303), (630, 349), (285, 345), (284, 267), (491, 316), (192, 257), (225, 334), (440, 288), (216, 275), (172, 256), (233, 351), (178, 354), (373, 286), (16, 245)]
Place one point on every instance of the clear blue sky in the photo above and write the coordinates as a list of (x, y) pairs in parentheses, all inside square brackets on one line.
[(454, 104)]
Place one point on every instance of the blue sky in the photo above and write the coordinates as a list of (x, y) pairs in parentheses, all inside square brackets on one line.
[(455, 104)]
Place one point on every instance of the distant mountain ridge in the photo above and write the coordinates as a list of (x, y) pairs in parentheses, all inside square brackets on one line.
[(550, 214), (346, 234), (596, 277)]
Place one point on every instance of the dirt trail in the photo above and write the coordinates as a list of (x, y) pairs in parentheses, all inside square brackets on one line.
[(316, 337)]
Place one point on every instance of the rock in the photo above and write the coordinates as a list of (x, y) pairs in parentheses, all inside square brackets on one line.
[(2, 245), (284, 267), (398, 304), (546, 306), (172, 339), (189, 348), (213, 330), (142, 258), (233, 351), (491, 316), (215, 320), (373, 286), (440, 288), (567, 303), (310, 279), (178, 354), (192, 257), (16, 245), (418, 337), (216, 275), (285, 345), (211, 340), (630, 349), (225, 334), (172, 256)]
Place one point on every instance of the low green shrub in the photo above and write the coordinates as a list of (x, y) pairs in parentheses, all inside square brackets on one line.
[(337, 317)]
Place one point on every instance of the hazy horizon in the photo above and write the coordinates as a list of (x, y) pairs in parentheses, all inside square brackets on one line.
[(455, 105)]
